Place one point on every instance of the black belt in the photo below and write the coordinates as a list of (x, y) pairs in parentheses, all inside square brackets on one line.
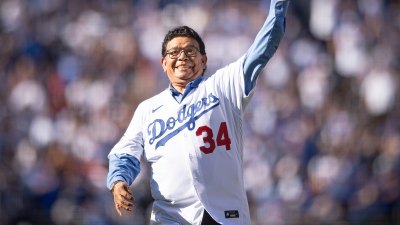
[(208, 220)]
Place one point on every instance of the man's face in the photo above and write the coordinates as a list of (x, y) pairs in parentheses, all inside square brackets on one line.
[(183, 62)]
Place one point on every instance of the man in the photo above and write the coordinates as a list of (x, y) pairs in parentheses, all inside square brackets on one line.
[(191, 133)]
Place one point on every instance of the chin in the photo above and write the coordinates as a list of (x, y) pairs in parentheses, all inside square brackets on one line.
[(184, 76)]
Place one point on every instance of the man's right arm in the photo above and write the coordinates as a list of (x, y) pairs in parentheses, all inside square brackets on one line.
[(123, 170), (124, 158), (124, 163), (122, 167)]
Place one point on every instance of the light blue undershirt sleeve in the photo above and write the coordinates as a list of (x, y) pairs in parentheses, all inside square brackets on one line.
[(123, 167), (265, 43)]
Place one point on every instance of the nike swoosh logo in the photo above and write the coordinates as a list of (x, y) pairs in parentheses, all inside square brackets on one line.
[(154, 110)]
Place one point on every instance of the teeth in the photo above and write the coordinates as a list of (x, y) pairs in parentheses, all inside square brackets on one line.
[(183, 67)]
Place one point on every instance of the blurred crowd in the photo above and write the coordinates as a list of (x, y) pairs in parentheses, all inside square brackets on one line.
[(322, 133)]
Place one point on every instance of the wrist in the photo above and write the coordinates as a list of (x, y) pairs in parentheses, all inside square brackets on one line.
[(113, 185)]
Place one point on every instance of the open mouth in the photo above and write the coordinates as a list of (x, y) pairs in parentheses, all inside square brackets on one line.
[(184, 68)]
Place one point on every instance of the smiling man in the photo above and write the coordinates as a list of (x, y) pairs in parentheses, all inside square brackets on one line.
[(184, 62), (191, 133)]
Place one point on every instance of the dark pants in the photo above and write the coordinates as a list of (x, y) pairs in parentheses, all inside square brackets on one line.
[(208, 220)]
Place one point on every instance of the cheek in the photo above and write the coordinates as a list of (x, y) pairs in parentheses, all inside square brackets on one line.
[(200, 64), (169, 65)]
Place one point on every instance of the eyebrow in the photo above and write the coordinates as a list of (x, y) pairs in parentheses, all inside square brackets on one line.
[(175, 47)]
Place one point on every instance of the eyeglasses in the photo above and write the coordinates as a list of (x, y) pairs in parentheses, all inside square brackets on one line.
[(176, 52)]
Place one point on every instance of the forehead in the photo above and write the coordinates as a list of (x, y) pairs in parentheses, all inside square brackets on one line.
[(179, 42)]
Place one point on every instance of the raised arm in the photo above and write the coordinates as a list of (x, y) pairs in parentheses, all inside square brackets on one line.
[(265, 43)]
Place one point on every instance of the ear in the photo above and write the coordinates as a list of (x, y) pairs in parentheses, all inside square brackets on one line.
[(164, 64), (204, 61)]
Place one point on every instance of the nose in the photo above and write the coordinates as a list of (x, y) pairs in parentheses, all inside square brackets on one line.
[(182, 56)]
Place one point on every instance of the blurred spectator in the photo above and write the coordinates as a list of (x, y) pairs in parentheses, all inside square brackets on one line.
[(323, 130)]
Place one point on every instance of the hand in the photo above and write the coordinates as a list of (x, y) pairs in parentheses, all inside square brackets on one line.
[(123, 197)]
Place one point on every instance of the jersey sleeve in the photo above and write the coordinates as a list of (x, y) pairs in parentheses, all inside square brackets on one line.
[(124, 157), (122, 167), (265, 43)]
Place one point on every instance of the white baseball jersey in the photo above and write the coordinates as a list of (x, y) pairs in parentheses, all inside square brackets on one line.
[(195, 150), (195, 147)]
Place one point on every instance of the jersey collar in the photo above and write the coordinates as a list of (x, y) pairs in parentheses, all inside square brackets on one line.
[(190, 86)]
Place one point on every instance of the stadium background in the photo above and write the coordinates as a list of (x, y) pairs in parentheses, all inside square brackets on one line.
[(322, 134)]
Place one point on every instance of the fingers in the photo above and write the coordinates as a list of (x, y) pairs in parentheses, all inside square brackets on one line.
[(119, 205), (117, 209), (123, 198), (129, 190), (125, 202)]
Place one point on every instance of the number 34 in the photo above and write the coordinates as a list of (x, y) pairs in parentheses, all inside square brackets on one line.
[(208, 137)]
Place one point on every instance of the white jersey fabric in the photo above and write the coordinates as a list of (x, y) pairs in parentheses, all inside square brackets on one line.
[(170, 135)]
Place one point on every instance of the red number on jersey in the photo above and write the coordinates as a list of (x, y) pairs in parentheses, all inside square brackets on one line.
[(208, 138), (222, 138)]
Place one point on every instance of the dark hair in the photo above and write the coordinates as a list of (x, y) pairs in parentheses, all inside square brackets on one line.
[(182, 31)]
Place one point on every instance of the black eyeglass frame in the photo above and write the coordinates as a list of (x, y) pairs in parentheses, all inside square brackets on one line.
[(174, 53)]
